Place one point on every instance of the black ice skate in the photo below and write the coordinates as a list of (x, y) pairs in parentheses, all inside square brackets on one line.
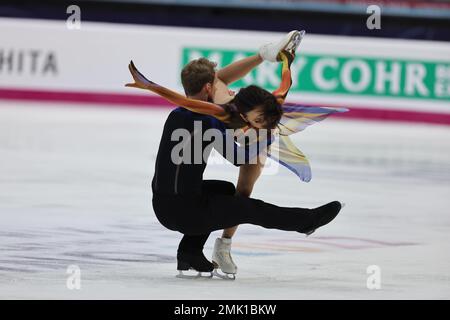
[(323, 215), (194, 261)]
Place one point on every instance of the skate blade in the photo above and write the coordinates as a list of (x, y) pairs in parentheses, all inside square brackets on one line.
[(310, 232), (199, 275), (225, 276), (295, 41)]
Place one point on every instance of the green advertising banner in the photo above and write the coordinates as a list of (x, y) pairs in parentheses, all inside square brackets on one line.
[(347, 75)]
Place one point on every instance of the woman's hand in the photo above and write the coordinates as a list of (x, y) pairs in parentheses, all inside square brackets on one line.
[(140, 81)]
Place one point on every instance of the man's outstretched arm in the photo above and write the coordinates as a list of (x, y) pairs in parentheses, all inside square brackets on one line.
[(238, 69)]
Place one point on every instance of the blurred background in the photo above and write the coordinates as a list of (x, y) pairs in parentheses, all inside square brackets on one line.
[(77, 148), (408, 19), (59, 50)]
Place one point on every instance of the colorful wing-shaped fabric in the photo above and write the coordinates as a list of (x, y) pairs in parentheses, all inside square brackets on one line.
[(286, 153), (297, 117), (194, 105)]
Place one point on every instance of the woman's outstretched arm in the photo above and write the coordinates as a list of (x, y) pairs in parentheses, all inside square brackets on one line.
[(203, 107)]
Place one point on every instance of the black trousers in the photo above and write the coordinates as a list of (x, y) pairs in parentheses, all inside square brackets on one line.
[(217, 207)]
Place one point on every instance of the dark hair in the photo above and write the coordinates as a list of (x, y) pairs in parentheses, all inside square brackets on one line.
[(248, 98), (196, 74)]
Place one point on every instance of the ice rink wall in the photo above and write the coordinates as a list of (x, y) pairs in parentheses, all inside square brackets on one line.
[(378, 78)]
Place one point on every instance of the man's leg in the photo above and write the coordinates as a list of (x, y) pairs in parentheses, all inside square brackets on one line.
[(218, 187), (228, 211), (226, 188)]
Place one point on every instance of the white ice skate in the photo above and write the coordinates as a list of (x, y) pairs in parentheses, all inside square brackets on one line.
[(295, 41), (290, 42), (222, 259)]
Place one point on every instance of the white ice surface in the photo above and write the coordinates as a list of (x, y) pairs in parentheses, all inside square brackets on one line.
[(75, 190)]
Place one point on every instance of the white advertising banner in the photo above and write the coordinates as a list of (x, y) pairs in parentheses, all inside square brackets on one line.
[(348, 71)]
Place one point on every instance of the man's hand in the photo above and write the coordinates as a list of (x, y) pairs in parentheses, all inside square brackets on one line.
[(140, 81)]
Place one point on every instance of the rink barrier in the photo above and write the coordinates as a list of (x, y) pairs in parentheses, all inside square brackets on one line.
[(151, 101)]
